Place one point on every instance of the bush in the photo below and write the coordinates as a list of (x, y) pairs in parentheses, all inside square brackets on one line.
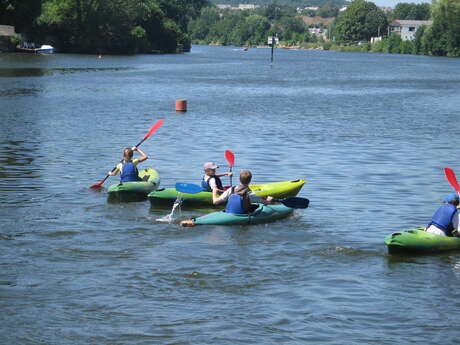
[(15, 40)]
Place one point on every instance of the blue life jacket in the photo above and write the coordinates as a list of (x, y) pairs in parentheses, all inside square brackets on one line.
[(129, 173), (442, 218), (235, 204), (205, 184)]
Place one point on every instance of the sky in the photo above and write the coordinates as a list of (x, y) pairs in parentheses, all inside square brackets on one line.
[(393, 3)]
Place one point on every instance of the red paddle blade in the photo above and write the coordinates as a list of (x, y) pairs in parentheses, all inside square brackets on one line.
[(97, 185), (450, 175), (230, 157), (153, 129)]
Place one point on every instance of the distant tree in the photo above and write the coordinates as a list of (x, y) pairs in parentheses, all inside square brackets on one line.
[(328, 10), (409, 11), (293, 24), (199, 28), (445, 30), (19, 13), (359, 22), (254, 29), (118, 26)]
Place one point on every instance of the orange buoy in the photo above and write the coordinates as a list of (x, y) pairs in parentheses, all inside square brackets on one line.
[(181, 105)]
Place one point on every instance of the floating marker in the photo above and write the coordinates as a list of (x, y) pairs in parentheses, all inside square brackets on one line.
[(181, 105)]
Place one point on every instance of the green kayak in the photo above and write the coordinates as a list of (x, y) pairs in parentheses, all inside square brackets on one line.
[(278, 190), (419, 241), (263, 214), (135, 191)]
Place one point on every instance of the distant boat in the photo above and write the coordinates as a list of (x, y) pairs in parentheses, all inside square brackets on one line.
[(45, 49)]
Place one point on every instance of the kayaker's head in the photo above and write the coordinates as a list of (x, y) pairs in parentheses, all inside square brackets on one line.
[(453, 199), (210, 168), (127, 154), (245, 177)]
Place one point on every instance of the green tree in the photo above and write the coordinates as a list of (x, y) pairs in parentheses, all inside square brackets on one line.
[(446, 28), (418, 47), (361, 21), (199, 28), (328, 10), (119, 26), (19, 13), (409, 11)]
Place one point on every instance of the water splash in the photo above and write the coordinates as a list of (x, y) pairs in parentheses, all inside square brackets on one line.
[(170, 217)]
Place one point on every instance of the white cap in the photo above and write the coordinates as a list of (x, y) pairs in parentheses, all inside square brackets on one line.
[(210, 165)]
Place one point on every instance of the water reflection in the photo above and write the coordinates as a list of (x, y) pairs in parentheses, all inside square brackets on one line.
[(20, 92), (39, 72)]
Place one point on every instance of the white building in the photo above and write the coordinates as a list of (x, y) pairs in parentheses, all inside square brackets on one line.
[(241, 7), (247, 7), (407, 28)]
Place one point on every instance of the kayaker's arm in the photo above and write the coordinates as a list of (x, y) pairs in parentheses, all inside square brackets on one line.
[(219, 199), (255, 199), (115, 171), (143, 155), (456, 225), (268, 200), (228, 173)]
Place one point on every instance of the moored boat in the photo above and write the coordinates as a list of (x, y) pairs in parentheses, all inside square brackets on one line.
[(278, 190), (45, 49), (262, 214), (419, 241), (135, 191)]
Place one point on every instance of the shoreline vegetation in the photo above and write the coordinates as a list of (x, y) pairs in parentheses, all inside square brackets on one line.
[(350, 28), (101, 26), (164, 26)]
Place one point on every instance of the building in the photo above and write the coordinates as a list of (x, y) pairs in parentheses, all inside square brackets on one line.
[(247, 7), (240, 7), (407, 28)]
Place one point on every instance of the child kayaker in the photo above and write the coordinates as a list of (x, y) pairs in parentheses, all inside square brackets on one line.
[(239, 199), (211, 181), (445, 220), (128, 167)]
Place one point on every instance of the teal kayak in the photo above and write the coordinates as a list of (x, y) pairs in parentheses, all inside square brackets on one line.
[(263, 214), (419, 241), (135, 191), (278, 190)]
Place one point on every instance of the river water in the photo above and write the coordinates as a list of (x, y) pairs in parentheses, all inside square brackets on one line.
[(371, 134)]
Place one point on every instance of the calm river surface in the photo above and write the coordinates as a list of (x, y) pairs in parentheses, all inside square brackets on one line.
[(371, 133)]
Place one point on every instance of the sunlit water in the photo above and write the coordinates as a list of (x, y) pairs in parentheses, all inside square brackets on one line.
[(371, 133)]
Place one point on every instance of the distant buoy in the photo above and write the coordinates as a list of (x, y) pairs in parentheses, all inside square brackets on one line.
[(181, 105)]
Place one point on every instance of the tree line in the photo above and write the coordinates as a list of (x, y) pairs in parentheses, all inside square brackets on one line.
[(352, 29), (295, 3), (104, 26)]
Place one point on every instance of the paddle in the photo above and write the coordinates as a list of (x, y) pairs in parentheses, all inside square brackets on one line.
[(188, 188), (450, 175), (230, 157), (150, 132), (292, 202)]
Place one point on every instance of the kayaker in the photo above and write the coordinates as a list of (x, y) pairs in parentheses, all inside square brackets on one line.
[(128, 167), (445, 220), (210, 180), (239, 199)]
